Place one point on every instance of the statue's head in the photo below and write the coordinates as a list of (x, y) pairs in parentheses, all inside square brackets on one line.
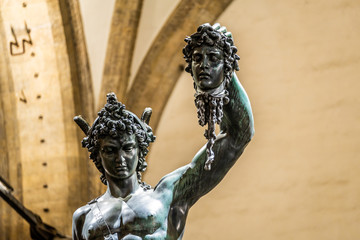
[(211, 57), (118, 141)]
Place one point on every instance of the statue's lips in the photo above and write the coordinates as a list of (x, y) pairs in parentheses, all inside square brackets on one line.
[(204, 76), (121, 168)]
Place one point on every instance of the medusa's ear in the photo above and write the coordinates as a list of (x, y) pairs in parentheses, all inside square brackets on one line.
[(145, 117)]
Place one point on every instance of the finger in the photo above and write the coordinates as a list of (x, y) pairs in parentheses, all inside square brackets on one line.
[(216, 26), (229, 35), (222, 29)]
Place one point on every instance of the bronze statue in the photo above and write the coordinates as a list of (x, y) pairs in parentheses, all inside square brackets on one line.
[(118, 143)]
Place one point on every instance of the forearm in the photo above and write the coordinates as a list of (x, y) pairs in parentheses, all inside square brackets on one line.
[(237, 129), (238, 122)]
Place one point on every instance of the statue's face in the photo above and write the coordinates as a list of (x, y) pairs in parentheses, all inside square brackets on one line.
[(119, 156), (207, 65)]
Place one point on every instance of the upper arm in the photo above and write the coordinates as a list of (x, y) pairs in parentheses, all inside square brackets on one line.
[(190, 182), (196, 181)]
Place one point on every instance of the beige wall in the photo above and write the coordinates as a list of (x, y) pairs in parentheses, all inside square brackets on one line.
[(299, 178)]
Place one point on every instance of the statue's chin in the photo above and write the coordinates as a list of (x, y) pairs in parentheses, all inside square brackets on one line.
[(206, 86), (210, 89)]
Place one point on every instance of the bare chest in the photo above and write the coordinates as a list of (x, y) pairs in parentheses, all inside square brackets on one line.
[(140, 216)]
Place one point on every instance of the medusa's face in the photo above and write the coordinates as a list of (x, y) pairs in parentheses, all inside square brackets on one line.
[(207, 65), (119, 156)]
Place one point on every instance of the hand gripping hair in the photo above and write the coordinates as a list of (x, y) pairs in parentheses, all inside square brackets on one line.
[(113, 120), (209, 104)]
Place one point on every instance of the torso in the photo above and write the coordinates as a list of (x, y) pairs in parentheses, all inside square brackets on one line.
[(142, 215)]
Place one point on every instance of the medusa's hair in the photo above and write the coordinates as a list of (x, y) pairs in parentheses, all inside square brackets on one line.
[(209, 35), (113, 120)]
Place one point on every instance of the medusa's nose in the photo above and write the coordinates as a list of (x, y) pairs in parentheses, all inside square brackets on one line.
[(204, 62)]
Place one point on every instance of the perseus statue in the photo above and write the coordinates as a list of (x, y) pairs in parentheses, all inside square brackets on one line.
[(118, 142)]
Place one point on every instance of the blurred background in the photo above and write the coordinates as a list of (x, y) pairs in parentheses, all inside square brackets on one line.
[(300, 65)]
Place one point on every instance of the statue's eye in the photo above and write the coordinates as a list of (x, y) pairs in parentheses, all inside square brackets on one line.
[(197, 57), (128, 147), (213, 57), (108, 150)]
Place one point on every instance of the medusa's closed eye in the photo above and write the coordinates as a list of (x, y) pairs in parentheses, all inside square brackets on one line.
[(197, 57), (109, 150)]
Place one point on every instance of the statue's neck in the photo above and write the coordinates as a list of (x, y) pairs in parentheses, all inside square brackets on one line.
[(122, 187)]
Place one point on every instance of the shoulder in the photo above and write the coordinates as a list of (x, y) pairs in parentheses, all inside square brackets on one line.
[(80, 214), (169, 181), (78, 221)]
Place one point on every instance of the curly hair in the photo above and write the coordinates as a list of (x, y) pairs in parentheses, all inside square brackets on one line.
[(113, 120), (208, 35)]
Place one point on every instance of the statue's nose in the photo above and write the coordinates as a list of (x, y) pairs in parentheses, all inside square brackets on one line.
[(204, 63), (120, 158), (122, 161)]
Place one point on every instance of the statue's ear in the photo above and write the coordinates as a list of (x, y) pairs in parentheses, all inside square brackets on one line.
[(145, 117), (143, 165)]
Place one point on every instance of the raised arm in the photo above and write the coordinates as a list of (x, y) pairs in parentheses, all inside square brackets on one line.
[(237, 129)]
